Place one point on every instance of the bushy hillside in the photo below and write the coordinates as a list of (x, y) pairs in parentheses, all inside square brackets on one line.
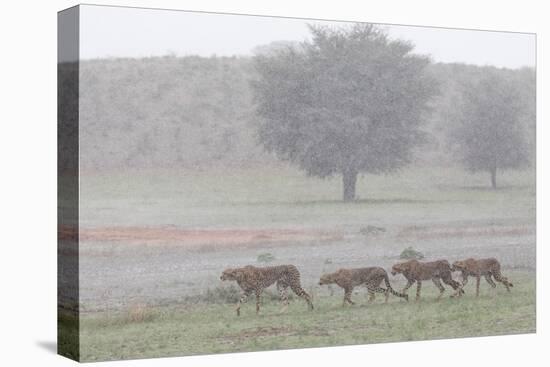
[(166, 111), (198, 112)]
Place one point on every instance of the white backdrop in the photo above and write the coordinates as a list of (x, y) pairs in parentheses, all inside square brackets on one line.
[(28, 171)]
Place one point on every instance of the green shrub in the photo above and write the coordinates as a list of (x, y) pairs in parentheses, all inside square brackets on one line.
[(409, 253), (265, 258)]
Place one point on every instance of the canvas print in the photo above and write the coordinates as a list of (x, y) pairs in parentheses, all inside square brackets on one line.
[(234, 183)]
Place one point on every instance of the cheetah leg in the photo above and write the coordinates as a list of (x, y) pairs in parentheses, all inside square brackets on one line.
[(448, 279), (372, 296), (378, 289), (418, 288), (244, 297), (490, 280), (438, 284), (299, 291), (347, 296), (503, 280), (478, 278), (284, 296), (464, 279), (409, 284), (258, 294)]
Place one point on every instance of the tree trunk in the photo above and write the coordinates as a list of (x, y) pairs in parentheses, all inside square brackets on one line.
[(349, 179), (494, 178)]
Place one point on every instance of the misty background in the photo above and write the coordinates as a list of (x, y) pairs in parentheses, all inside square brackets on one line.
[(199, 111), (173, 88), (209, 141)]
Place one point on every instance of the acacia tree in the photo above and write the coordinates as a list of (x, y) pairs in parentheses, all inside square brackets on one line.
[(489, 133), (349, 101)]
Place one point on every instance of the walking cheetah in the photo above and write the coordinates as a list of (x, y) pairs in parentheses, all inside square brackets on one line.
[(486, 267), (372, 277), (256, 279), (416, 271)]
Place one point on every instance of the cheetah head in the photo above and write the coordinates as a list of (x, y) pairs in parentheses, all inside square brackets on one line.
[(458, 266), (229, 274), (399, 268), (326, 279)]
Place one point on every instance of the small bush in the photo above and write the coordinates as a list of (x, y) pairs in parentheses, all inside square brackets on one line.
[(409, 253), (265, 258)]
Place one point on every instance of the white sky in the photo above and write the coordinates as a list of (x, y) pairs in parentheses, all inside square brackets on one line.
[(131, 32)]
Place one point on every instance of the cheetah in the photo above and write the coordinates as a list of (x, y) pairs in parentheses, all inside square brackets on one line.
[(486, 267), (256, 279), (416, 271), (371, 277)]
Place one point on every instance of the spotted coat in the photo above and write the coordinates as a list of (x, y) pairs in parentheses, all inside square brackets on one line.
[(254, 279)]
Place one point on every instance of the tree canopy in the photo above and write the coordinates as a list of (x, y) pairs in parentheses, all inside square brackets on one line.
[(350, 101), (489, 133)]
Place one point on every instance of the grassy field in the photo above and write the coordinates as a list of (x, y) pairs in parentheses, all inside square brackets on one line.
[(283, 197), (143, 271), (186, 329)]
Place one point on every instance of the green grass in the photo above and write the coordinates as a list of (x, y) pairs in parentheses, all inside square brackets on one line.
[(282, 197), (285, 197), (214, 328)]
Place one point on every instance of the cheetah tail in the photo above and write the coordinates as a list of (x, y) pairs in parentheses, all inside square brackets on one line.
[(498, 276), (392, 291)]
